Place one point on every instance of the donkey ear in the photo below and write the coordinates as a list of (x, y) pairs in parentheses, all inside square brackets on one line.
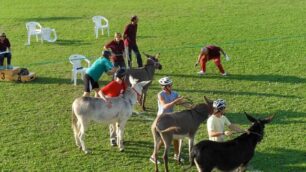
[(148, 56), (208, 101), (267, 119), (157, 55), (144, 83), (250, 118), (132, 80)]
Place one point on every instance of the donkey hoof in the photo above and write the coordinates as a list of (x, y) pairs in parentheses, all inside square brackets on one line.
[(121, 149), (87, 152)]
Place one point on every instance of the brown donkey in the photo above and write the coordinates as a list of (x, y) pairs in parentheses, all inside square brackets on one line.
[(178, 125)]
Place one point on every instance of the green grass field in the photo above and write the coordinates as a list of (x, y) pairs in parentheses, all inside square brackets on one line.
[(266, 40)]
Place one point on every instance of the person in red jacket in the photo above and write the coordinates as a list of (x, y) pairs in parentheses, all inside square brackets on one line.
[(114, 89), (211, 52), (117, 48), (129, 37), (5, 51)]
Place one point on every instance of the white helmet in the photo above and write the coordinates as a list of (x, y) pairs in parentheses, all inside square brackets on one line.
[(165, 81), (219, 104)]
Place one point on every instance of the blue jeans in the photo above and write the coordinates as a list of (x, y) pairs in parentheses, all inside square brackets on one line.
[(8, 56)]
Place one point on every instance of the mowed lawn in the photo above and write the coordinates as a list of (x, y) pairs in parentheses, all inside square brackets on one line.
[(266, 40)]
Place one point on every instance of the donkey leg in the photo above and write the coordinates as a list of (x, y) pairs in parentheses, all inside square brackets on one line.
[(83, 126), (190, 144), (179, 151), (167, 138), (143, 101), (76, 131), (120, 135)]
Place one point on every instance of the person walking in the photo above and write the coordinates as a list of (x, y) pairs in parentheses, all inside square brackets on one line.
[(211, 52), (117, 48), (217, 121), (95, 71), (167, 99), (5, 51), (129, 37)]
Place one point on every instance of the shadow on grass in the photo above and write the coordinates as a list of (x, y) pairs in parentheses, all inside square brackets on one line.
[(71, 42), (41, 19), (264, 78), (48, 80), (280, 160)]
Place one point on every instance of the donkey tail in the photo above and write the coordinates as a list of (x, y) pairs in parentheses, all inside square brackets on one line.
[(74, 121), (170, 129)]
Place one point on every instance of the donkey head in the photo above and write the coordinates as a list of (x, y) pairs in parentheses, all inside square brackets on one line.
[(153, 60), (138, 86), (204, 108), (258, 125)]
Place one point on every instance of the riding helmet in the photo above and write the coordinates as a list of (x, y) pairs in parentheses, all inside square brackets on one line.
[(219, 104), (165, 81)]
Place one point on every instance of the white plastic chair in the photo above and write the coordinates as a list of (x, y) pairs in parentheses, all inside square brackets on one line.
[(34, 28), (76, 61), (47, 35), (100, 23)]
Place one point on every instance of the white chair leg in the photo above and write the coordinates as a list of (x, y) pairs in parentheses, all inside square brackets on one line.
[(29, 39), (108, 31), (97, 32), (75, 78)]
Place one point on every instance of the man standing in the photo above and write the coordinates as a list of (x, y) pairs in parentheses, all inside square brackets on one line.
[(217, 121), (95, 71), (5, 51), (130, 42), (211, 52)]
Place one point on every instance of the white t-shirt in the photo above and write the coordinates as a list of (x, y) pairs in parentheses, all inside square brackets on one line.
[(217, 124)]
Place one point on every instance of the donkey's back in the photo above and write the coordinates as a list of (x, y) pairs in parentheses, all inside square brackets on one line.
[(90, 108)]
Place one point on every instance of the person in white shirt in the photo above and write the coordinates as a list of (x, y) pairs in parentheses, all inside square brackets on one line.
[(217, 121)]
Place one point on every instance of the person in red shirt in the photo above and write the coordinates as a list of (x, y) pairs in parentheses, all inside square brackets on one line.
[(129, 37), (114, 89), (5, 51), (211, 52), (117, 48)]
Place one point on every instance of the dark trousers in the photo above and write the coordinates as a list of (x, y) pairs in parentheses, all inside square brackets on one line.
[(8, 56), (137, 53)]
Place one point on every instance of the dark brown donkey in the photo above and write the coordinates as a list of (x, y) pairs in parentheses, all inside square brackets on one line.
[(227, 156), (145, 73), (178, 125)]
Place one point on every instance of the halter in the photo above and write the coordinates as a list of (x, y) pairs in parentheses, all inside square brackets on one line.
[(138, 94)]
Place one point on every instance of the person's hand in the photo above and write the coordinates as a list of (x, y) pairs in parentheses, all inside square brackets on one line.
[(228, 133), (179, 100), (227, 58), (196, 64)]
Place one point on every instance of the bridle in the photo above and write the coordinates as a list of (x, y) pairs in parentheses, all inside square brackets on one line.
[(138, 94)]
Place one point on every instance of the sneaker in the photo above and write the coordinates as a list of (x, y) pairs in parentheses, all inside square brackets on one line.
[(224, 74), (201, 73), (176, 158), (113, 142), (153, 160)]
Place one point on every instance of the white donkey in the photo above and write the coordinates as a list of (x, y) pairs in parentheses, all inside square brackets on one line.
[(86, 109)]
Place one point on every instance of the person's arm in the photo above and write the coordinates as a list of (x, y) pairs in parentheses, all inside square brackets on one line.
[(112, 71), (126, 32), (225, 55), (236, 128), (102, 96), (170, 104), (199, 57)]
